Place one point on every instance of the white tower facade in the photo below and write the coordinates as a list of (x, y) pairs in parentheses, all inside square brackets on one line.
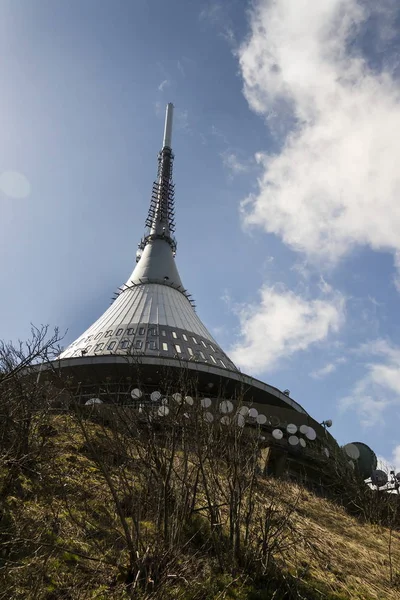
[(153, 314)]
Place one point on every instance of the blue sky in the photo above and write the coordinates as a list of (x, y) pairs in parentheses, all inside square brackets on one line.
[(286, 172)]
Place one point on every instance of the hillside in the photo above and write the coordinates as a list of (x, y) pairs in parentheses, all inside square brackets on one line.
[(88, 511)]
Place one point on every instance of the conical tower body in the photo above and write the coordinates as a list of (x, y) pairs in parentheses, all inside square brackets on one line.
[(153, 314)]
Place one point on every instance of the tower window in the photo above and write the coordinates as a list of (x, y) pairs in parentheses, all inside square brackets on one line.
[(204, 344), (163, 332), (202, 356), (222, 363), (212, 348), (130, 331), (194, 340), (141, 330), (88, 348), (174, 335), (98, 347), (119, 332), (153, 331), (124, 344), (190, 351), (108, 333), (111, 345), (165, 346), (184, 337), (98, 335), (178, 348), (152, 345), (138, 344), (213, 359)]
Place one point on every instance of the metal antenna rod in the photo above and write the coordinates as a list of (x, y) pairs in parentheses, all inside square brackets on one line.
[(169, 113)]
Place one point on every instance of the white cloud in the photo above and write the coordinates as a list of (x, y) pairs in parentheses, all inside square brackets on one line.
[(165, 83), (324, 371), (335, 183), (282, 324), (236, 166), (379, 389)]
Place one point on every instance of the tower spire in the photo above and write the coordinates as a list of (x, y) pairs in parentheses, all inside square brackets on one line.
[(160, 222)]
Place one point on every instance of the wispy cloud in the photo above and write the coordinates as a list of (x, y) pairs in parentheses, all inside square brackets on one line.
[(327, 369), (281, 324), (233, 164), (164, 84), (335, 184), (379, 388)]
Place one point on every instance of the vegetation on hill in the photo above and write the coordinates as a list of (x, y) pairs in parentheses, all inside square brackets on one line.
[(121, 503)]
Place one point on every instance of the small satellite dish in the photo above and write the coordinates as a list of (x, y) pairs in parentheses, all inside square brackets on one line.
[(188, 399), (205, 402), (136, 393), (253, 413), (243, 410), (304, 429), (397, 477), (291, 428), (328, 423), (379, 478), (241, 421), (93, 401), (351, 451), (261, 419), (225, 420), (311, 435), (293, 440), (302, 443), (155, 396), (226, 406), (208, 417), (177, 397), (164, 401), (326, 452), (277, 434), (163, 411)]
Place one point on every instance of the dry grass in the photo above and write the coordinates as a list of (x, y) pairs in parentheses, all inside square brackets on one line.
[(68, 541)]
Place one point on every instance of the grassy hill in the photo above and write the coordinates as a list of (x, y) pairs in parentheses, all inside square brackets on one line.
[(94, 511)]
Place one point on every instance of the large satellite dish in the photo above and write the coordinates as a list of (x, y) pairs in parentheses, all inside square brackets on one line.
[(253, 413), (367, 461), (277, 434), (136, 393), (291, 428), (155, 396), (226, 406), (261, 419), (205, 402), (293, 440), (311, 435)]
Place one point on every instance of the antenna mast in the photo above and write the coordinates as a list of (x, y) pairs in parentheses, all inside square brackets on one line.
[(160, 222)]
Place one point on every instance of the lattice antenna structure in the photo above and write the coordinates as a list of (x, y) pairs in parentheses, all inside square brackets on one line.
[(160, 222)]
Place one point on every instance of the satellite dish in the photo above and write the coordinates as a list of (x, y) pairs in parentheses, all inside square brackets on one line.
[(188, 399), (261, 419), (241, 421), (367, 461), (205, 402), (163, 411), (226, 406), (243, 410), (136, 393), (177, 397), (352, 465), (155, 396), (302, 443), (277, 434), (304, 429), (379, 478), (311, 435), (328, 423), (291, 428), (225, 420), (164, 401), (293, 440), (93, 401), (326, 452), (208, 417), (253, 413), (352, 451)]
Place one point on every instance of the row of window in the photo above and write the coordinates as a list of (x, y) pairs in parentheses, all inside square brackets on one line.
[(152, 331), (152, 346)]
